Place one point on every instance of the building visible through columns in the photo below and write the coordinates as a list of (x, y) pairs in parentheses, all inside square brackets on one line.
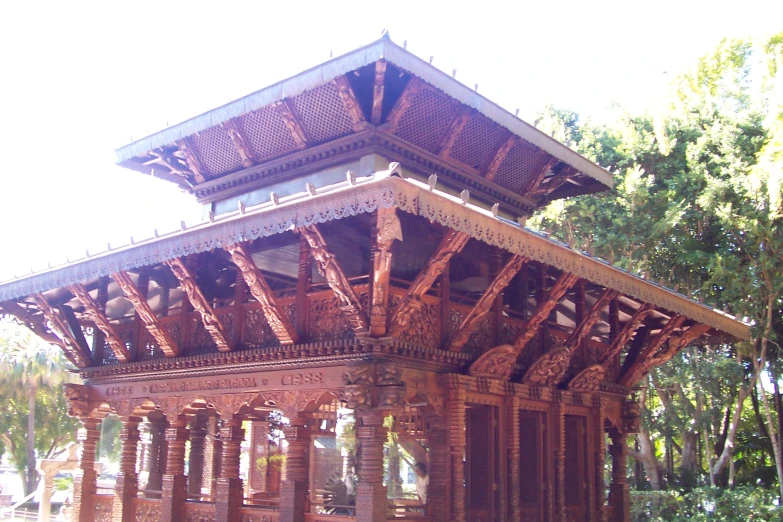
[(361, 300)]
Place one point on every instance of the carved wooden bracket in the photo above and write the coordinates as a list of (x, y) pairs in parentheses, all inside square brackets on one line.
[(378, 91), (351, 104), (76, 352), (626, 333), (278, 320), (495, 363), (500, 155), (471, 321), (588, 379), (335, 277), (453, 131), (404, 102), (36, 323), (544, 308), (535, 181), (97, 316), (293, 122), (642, 362), (191, 159), (388, 229), (162, 337), (554, 183), (196, 297), (452, 243), (246, 155), (676, 343)]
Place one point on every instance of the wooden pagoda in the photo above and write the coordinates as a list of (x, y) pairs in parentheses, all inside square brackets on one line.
[(363, 255)]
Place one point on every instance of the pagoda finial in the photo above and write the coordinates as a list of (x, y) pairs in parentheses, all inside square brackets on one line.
[(385, 34)]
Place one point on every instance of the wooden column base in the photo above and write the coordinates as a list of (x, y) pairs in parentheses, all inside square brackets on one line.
[(229, 499), (172, 500), (293, 496), (371, 501), (620, 507)]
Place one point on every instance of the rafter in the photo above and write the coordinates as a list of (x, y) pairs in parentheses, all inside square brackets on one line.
[(278, 320), (98, 317), (76, 352), (147, 316), (585, 327), (231, 126), (36, 323), (536, 180), (387, 229), (626, 333), (191, 159), (335, 277), (452, 243), (293, 122), (637, 366), (543, 309), (453, 131), (351, 104), (378, 91), (471, 321), (211, 321), (500, 155), (404, 102), (676, 343), (555, 182)]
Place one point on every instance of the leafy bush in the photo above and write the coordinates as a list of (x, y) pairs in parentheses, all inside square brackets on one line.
[(714, 504)]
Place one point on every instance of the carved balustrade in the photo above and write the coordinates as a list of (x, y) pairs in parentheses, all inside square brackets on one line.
[(102, 508)]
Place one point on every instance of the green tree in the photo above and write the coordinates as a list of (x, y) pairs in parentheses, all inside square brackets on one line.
[(37, 422)]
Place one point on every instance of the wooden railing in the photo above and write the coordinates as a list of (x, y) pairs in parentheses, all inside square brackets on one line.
[(258, 514), (102, 507), (146, 510)]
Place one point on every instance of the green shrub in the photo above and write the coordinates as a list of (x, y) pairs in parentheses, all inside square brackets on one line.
[(706, 504)]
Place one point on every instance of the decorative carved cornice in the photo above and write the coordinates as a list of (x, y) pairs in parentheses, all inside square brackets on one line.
[(74, 351), (97, 316), (452, 243), (278, 320), (378, 91), (335, 277), (471, 321), (351, 104), (161, 336), (200, 304), (231, 126)]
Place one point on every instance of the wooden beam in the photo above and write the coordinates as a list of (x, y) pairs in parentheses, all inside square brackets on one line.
[(231, 126), (77, 353), (293, 122), (378, 91), (404, 102), (278, 320), (676, 343), (335, 277), (585, 326), (500, 155), (636, 369), (387, 229), (626, 333), (452, 243), (535, 181), (453, 131), (191, 159), (553, 184), (35, 323), (471, 321), (145, 313), (211, 321), (350, 103), (543, 309), (98, 317)]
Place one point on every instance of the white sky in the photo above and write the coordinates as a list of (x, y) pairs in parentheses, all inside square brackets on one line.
[(78, 79)]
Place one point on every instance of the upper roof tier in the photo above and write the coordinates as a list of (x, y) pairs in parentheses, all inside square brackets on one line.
[(379, 98)]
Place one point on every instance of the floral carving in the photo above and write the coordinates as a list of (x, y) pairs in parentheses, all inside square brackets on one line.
[(588, 379), (497, 363), (327, 322), (549, 369)]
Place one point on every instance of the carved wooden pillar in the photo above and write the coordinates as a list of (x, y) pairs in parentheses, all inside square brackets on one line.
[(599, 455), (212, 454), (156, 458), (85, 476), (127, 485), (513, 448), (228, 490), (293, 490), (558, 447), (259, 456), (303, 286), (175, 487), (457, 420), (439, 483), (371, 493), (198, 434), (619, 491)]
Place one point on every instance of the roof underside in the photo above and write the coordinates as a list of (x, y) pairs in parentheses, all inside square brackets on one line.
[(379, 98)]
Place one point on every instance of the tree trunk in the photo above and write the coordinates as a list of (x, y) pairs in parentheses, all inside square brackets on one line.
[(32, 474), (646, 455), (689, 462)]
